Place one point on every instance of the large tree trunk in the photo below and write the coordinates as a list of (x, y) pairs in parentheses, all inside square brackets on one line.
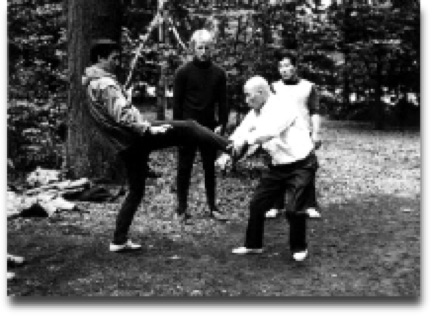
[(88, 20)]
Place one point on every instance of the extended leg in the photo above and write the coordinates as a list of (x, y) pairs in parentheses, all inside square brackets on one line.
[(188, 134)]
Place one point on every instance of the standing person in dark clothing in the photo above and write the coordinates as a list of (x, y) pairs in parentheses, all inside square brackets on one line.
[(130, 135), (200, 94)]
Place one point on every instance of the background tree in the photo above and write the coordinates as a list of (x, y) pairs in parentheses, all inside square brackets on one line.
[(381, 47), (36, 82), (363, 54)]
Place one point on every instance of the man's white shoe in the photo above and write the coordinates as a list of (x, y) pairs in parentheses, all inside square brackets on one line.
[(246, 251), (300, 256), (10, 276), (272, 213), (223, 162), (313, 213), (15, 260), (128, 246)]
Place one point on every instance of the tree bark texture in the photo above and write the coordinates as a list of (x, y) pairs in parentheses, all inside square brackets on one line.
[(88, 20)]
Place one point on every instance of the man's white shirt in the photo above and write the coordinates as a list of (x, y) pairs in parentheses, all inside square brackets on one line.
[(296, 94), (283, 129)]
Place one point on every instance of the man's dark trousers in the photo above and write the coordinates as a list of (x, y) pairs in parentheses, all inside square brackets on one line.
[(135, 158), (186, 157), (311, 200), (292, 181)]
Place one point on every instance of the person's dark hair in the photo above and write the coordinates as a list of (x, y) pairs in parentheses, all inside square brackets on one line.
[(102, 48), (283, 54)]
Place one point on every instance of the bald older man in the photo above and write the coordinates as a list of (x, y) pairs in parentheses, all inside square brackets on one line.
[(200, 94), (283, 132)]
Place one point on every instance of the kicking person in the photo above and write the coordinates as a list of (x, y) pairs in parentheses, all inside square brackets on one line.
[(130, 135), (282, 131)]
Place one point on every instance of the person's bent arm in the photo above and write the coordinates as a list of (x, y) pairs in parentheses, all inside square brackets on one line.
[(272, 122), (123, 111), (314, 112), (316, 127), (244, 128)]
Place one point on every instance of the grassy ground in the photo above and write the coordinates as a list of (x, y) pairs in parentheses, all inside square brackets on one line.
[(368, 243)]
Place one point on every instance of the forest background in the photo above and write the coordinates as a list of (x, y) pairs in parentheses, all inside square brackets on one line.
[(363, 55)]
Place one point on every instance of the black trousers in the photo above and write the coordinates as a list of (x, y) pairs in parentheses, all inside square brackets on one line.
[(311, 195), (186, 156), (135, 158), (292, 181)]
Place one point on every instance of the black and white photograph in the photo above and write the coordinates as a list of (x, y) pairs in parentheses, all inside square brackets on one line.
[(208, 149)]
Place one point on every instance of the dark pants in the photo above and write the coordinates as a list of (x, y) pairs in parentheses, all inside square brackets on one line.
[(292, 181), (186, 156), (135, 158), (311, 194)]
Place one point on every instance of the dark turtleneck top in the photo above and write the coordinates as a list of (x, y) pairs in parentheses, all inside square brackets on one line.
[(291, 81), (199, 93)]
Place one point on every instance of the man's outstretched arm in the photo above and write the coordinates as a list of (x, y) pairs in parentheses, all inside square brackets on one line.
[(119, 106)]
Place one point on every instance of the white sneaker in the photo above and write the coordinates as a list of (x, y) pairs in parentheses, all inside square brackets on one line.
[(300, 256), (313, 213), (128, 246), (15, 260), (272, 213), (223, 162), (246, 251), (182, 218), (10, 276)]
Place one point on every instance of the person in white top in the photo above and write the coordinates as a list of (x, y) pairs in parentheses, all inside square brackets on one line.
[(303, 94), (282, 131)]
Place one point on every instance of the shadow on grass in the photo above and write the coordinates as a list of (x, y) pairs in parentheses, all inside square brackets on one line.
[(367, 250)]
